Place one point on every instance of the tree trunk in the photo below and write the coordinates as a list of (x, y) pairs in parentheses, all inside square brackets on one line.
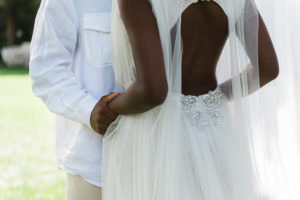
[(10, 30)]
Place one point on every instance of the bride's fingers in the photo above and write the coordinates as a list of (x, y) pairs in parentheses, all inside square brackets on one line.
[(111, 97)]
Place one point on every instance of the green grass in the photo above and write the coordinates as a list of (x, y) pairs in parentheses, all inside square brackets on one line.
[(27, 150)]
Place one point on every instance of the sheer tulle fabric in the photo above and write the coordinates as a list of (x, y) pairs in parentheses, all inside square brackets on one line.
[(193, 148), (203, 160), (279, 153)]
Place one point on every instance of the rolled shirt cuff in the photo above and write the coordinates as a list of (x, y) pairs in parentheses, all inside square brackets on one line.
[(87, 106)]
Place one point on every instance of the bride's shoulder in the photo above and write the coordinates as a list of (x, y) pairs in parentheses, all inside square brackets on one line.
[(135, 13), (134, 6), (133, 3)]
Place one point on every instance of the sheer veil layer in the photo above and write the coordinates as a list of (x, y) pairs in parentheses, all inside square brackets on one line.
[(159, 155)]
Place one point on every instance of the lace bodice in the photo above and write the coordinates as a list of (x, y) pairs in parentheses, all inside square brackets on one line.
[(205, 109)]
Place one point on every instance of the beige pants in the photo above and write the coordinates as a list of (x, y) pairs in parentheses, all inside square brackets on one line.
[(78, 189)]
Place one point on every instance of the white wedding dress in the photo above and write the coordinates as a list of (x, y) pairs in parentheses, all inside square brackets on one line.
[(189, 148)]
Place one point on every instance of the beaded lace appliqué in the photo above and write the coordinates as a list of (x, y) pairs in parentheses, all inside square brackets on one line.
[(204, 110)]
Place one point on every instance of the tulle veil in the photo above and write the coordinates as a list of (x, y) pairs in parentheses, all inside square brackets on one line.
[(151, 164), (280, 142)]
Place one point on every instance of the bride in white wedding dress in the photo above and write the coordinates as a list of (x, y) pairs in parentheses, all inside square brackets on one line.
[(186, 69)]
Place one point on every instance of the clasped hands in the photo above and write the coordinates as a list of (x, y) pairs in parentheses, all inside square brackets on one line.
[(102, 116)]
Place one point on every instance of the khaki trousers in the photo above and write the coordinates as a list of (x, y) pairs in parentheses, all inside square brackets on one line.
[(78, 189)]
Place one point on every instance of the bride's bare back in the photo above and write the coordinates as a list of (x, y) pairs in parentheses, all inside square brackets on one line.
[(204, 33)]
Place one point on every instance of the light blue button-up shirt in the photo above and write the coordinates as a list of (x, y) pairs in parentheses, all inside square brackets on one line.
[(71, 69)]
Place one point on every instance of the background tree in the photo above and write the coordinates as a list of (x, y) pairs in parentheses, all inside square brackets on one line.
[(16, 20)]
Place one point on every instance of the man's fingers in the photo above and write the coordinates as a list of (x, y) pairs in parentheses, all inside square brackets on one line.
[(106, 112), (102, 115), (110, 114), (104, 120), (102, 129), (99, 129)]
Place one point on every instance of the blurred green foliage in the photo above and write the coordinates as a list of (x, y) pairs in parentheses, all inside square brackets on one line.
[(16, 20)]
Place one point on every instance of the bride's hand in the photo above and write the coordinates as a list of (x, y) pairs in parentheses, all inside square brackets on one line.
[(102, 116)]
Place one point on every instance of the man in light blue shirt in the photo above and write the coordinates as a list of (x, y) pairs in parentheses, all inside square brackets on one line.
[(71, 69)]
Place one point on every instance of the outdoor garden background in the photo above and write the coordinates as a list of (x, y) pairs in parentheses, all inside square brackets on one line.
[(27, 157), (28, 168)]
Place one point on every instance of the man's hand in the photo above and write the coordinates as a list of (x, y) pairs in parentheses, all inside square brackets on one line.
[(102, 116)]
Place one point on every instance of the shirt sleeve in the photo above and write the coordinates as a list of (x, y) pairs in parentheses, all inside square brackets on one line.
[(51, 55)]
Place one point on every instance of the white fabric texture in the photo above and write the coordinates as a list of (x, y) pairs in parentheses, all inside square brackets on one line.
[(71, 69), (281, 147), (195, 148)]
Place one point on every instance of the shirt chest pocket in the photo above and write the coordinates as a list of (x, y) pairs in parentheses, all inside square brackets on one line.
[(97, 39)]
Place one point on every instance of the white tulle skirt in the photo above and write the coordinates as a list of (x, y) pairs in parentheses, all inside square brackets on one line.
[(187, 149)]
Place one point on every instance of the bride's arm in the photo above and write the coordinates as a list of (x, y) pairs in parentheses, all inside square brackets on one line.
[(267, 61), (150, 88)]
